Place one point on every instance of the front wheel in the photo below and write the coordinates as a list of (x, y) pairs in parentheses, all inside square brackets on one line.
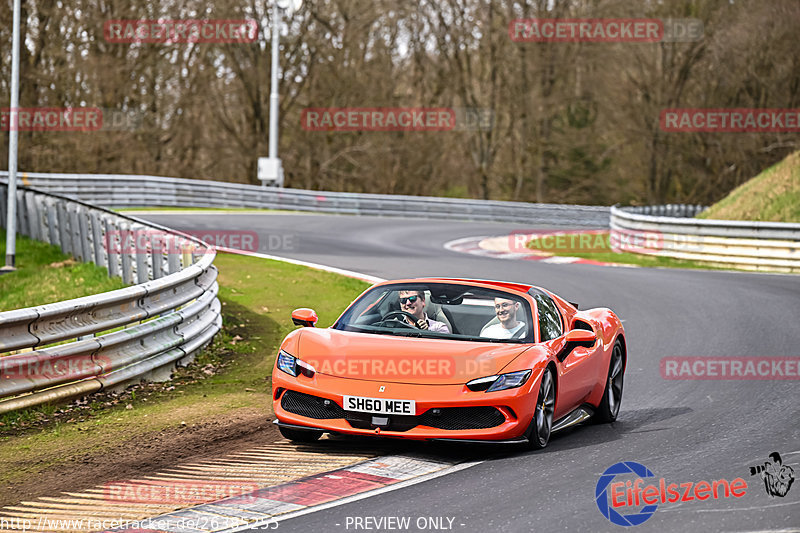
[(300, 435), (542, 423), (608, 409)]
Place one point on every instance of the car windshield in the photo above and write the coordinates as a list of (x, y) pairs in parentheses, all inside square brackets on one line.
[(440, 310)]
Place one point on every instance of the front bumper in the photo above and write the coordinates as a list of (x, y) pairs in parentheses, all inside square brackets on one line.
[(508, 413), (516, 441)]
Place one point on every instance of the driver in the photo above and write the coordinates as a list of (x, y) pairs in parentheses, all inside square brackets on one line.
[(413, 302), (506, 311)]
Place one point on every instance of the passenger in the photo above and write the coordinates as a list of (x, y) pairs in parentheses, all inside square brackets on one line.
[(506, 311), (414, 302)]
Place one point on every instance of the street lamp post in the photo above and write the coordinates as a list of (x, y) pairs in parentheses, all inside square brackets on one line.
[(13, 136), (270, 169)]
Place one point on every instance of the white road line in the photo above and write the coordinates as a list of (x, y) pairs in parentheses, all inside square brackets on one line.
[(792, 530), (317, 266), (451, 245), (216, 211)]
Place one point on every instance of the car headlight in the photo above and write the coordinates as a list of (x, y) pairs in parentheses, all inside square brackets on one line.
[(511, 380), (294, 366)]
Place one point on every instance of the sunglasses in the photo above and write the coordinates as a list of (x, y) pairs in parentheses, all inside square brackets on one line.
[(409, 300)]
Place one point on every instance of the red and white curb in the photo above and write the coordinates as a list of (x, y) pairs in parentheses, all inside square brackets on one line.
[(497, 247), (268, 506)]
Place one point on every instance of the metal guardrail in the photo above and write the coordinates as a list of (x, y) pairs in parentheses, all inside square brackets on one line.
[(113, 338), (152, 191), (668, 231)]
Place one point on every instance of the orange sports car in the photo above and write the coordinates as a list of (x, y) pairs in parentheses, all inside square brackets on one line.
[(450, 360)]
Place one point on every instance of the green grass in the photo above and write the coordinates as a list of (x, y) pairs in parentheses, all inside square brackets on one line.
[(45, 275), (600, 247), (773, 195), (257, 298)]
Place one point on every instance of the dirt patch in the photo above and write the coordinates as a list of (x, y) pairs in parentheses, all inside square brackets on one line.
[(147, 454), (219, 405)]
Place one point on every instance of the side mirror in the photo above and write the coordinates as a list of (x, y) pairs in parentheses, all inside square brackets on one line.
[(304, 317), (581, 337), (576, 337)]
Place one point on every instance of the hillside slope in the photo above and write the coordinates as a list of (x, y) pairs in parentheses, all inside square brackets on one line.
[(773, 195)]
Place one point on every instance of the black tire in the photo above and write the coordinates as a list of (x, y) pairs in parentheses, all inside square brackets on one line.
[(542, 424), (300, 435), (608, 409)]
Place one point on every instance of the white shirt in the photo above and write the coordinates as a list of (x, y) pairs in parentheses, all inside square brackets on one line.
[(497, 331), (435, 325)]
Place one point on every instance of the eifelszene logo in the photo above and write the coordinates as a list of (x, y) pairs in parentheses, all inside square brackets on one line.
[(615, 497)]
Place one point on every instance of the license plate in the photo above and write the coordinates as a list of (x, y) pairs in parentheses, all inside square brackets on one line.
[(380, 406)]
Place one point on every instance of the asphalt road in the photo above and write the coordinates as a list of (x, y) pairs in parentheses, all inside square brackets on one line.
[(681, 430)]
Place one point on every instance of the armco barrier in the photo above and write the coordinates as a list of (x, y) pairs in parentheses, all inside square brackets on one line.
[(169, 313), (759, 246), (152, 191)]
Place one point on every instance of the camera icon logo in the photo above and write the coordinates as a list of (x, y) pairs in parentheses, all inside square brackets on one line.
[(778, 477)]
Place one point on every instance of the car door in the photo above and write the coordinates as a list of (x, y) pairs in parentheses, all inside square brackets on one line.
[(576, 373)]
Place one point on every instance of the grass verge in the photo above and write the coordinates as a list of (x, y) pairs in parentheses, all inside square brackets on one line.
[(45, 275), (773, 196), (257, 298)]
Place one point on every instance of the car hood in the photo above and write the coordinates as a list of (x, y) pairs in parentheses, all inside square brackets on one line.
[(402, 359)]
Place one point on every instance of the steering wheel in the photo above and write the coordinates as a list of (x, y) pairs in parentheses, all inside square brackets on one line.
[(391, 316)]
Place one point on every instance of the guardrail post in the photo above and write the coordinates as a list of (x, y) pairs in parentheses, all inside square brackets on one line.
[(30, 214), (157, 240), (97, 240), (141, 251), (83, 225), (174, 254), (196, 253), (52, 220), (63, 228), (22, 215), (3, 188), (41, 216), (187, 258), (113, 246), (75, 232), (126, 247)]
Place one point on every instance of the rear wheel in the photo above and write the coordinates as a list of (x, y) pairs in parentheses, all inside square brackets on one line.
[(300, 435), (608, 409), (542, 423)]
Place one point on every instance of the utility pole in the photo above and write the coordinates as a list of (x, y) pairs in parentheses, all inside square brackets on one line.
[(270, 169), (13, 137)]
